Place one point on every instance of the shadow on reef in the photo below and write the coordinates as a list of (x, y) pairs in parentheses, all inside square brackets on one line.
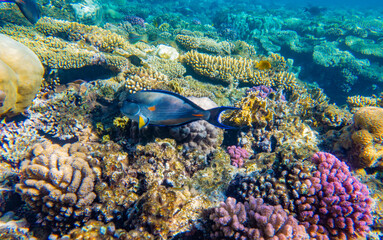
[(87, 73)]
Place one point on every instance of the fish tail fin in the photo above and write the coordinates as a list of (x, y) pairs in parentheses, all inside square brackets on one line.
[(215, 114), (30, 9)]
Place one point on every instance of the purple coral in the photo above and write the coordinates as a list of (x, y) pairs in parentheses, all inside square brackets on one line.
[(264, 91), (337, 202), (134, 20), (237, 155), (254, 220)]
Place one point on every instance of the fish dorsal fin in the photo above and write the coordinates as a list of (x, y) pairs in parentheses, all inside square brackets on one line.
[(141, 121), (188, 101)]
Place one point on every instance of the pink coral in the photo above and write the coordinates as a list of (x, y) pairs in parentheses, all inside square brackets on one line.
[(254, 220), (237, 155), (337, 202)]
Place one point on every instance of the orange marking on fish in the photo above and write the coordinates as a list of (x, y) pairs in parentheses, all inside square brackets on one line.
[(198, 115), (152, 108)]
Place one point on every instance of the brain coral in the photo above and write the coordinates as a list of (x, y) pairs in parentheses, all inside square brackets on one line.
[(58, 183), (20, 75), (367, 137)]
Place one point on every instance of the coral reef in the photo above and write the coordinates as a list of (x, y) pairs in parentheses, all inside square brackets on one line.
[(336, 202), (21, 75), (58, 183), (254, 220)]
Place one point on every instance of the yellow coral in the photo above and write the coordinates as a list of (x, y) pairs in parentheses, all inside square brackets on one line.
[(356, 102), (140, 78), (366, 148), (21, 74), (229, 69), (253, 112)]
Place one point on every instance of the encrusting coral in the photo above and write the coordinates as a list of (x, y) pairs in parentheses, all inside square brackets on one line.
[(58, 183), (21, 74)]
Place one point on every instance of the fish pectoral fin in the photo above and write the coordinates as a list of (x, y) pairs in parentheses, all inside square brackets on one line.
[(141, 122), (152, 108)]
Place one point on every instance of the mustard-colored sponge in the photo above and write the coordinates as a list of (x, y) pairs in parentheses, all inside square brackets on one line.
[(21, 74)]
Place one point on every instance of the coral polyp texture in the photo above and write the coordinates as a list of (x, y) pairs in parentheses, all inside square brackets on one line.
[(337, 204), (21, 74), (254, 220), (58, 183)]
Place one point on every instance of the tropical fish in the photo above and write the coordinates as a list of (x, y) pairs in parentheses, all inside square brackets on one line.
[(29, 9), (163, 108), (135, 38)]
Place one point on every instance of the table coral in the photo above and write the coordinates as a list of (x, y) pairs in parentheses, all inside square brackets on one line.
[(21, 75), (140, 78), (336, 201), (229, 69), (58, 183), (254, 220), (204, 44), (57, 53)]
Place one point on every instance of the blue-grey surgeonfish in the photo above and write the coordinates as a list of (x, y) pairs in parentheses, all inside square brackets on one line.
[(163, 108), (29, 9)]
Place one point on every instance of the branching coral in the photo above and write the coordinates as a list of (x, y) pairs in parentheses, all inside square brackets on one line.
[(58, 182)]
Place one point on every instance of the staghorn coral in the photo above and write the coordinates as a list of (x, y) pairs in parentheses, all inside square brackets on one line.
[(228, 70), (336, 202), (21, 75), (58, 183), (254, 220)]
